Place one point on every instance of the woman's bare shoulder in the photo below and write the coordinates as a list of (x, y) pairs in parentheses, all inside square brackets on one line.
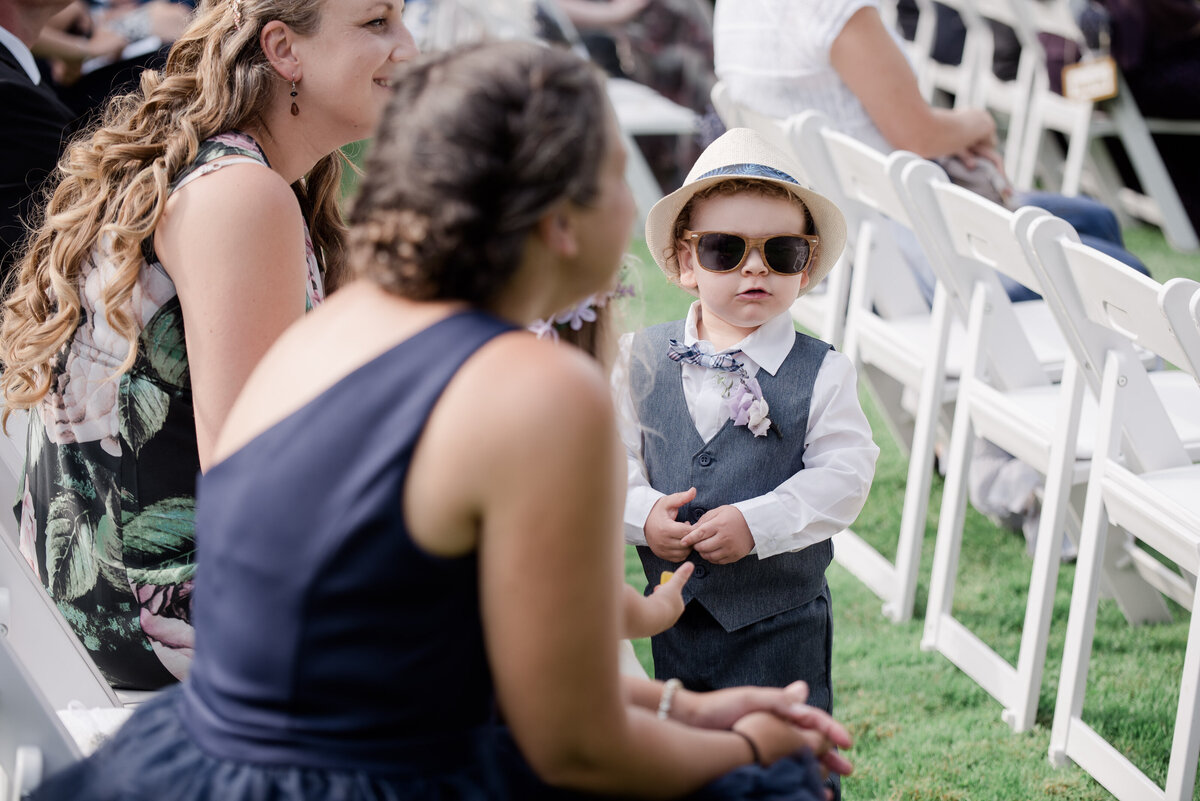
[(242, 208), (527, 380)]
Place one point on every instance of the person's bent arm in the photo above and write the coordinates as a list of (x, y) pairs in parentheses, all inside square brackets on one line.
[(233, 244), (839, 464), (588, 14), (647, 615), (874, 68)]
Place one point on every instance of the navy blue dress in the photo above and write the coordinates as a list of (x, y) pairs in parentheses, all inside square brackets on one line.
[(335, 658)]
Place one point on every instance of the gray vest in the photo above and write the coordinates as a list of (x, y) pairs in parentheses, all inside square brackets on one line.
[(732, 466)]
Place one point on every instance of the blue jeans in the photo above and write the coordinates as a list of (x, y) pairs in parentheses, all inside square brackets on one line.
[(1095, 223)]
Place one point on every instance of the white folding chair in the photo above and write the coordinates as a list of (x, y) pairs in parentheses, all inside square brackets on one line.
[(898, 345), (42, 638), (1176, 390), (1007, 397), (1008, 99), (823, 310), (33, 742), (1084, 123), (961, 80), (34, 628), (1142, 480), (641, 111)]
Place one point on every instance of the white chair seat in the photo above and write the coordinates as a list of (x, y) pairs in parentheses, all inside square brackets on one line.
[(915, 338), (1148, 500), (1045, 337), (1037, 406), (1180, 484)]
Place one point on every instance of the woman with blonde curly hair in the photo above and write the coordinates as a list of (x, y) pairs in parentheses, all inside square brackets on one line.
[(184, 234)]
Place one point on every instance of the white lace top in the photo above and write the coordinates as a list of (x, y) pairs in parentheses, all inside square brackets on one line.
[(774, 56)]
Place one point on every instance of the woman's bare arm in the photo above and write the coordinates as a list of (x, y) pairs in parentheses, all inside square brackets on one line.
[(586, 14), (233, 243), (539, 484), (871, 64)]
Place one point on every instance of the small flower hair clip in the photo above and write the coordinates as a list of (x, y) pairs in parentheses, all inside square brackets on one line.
[(583, 312), (544, 329)]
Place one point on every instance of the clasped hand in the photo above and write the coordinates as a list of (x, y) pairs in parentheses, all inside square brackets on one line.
[(778, 721), (720, 536)]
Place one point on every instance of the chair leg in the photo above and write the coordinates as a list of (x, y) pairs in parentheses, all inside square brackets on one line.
[(1047, 555), (948, 544), (1185, 748), (1151, 171), (920, 467), (1138, 601), (1081, 620), (1077, 147)]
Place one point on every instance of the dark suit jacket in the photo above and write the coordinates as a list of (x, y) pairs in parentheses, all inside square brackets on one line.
[(33, 126)]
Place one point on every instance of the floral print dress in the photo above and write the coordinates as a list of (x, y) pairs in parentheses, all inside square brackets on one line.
[(107, 506)]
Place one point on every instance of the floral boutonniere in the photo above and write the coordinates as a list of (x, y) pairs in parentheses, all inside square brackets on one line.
[(746, 406)]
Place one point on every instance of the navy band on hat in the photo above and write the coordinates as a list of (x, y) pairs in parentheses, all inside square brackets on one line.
[(749, 171)]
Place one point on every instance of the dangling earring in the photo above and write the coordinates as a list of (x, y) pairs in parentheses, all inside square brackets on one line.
[(295, 108)]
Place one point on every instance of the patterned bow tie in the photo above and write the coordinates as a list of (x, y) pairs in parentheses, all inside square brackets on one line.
[(678, 352)]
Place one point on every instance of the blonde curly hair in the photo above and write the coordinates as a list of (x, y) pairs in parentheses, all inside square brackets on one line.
[(112, 183)]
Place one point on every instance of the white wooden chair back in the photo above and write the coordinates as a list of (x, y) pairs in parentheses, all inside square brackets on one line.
[(1185, 320), (1142, 480), (1010, 98), (970, 240), (775, 130), (859, 178)]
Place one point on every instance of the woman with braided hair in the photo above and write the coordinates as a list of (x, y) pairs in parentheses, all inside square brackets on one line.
[(183, 234)]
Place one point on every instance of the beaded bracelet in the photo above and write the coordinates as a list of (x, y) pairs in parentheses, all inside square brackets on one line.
[(670, 687), (753, 748)]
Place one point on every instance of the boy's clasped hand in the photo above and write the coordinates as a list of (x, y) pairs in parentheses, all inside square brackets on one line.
[(720, 536)]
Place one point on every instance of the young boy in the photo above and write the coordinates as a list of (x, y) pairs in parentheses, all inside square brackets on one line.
[(747, 447)]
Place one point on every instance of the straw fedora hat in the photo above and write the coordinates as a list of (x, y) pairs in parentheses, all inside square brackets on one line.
[(742, 153)]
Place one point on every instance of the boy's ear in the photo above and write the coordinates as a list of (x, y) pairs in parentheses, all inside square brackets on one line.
[(687, 267), (805, 279), (556, 228), (276, 41)]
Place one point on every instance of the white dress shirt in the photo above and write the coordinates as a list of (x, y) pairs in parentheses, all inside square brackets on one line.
[(21, 53), (839, 454)]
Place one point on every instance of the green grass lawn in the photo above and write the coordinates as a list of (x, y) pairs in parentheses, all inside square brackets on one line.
[(923, 730)]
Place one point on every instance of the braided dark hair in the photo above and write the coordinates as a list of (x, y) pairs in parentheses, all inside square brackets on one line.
[(477, 144)]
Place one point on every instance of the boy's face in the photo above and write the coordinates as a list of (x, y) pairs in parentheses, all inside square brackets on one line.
[(734, 304)]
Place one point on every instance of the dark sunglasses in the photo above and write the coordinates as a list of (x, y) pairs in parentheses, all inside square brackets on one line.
[(721, 252)]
